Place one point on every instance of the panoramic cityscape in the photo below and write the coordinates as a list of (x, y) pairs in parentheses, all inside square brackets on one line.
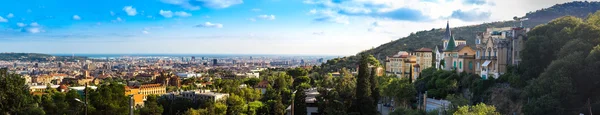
[(297, 57)]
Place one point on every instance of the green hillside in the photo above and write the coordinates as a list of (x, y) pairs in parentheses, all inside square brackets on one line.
[(430, 38)]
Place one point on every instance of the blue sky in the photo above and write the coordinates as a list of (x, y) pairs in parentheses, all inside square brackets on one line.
[(331, 27)]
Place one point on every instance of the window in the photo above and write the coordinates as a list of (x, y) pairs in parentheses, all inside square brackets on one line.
[(460, 64), (454, 64), (495, 53), (470, 65)]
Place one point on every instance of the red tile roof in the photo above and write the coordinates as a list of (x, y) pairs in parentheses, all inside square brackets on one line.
[(424, 50)]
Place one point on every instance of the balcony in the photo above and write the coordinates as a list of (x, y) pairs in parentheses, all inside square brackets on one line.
[(467, 56), (488, 57)]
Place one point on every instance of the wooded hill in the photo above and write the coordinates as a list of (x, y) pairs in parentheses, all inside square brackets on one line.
[(430, 38)]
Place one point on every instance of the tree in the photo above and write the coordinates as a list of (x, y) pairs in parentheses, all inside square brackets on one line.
[(248, 93), (297, 72), (375, 89), (254, 107), (300, 80), (252, 82), (563, 66), (401, 91), (110, 99), (366, 104), (191, 111), (479, 109), (300, 99), (75, 106), (276, 106), (14, 96), (235, 105), (151, 106), (220, 109)]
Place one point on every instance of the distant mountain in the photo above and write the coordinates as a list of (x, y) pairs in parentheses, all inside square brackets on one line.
[(36, 57), (430, 38)]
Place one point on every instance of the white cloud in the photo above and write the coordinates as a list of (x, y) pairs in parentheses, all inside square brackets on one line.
[(210, 25), (252, 19), (21, 24), (76, 17), (34, 30), (130, 10), (145, 32), (256, 10), (195, 4), (3, 19), (182, 3), (34, 24), (166, 13), (112, 13), (220, 3), (329, 16), (313, 11), (266, 17), (117, 20), (182, 14), (10, 15)]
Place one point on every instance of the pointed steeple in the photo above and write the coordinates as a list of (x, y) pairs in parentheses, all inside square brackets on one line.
[(448, 33), (451, 44)]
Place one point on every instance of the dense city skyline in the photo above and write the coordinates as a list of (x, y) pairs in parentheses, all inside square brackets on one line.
[(314, 27)]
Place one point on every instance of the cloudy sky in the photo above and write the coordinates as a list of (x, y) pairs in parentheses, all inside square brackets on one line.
[(331, 27)]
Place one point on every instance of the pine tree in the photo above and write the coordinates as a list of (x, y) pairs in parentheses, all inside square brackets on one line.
[(364, 102), (300, 100), (374, 86)]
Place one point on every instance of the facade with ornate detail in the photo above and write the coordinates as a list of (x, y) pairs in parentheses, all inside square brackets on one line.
[(443, 52), (403, 65), (498, 48)]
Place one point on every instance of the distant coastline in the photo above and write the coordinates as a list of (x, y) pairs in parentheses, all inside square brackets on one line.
[(188, 55)]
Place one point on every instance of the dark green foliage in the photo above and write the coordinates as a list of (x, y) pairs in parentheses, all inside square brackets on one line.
[(235, 105), (176, 105), (300, 80), (364, 103), (456, 101), (14, 96), (151, 106), (375, 89), (109, 99), (402, 92), (300, 99), (252, 81), (297, 72), (564, 69)]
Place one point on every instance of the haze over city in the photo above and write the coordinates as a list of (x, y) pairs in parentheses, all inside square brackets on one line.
[(324, 27)]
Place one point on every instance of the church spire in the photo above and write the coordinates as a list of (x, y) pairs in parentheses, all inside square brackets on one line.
[(448, 33), (451, 44)]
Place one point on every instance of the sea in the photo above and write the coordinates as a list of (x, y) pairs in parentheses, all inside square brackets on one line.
[(103, 56)]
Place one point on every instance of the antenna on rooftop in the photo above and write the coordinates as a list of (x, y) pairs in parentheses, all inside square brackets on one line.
[(520, 20)]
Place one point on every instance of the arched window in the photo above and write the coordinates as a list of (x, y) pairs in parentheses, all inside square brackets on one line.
[(489, 53), (470, 65), (495, 53), (454, 64)]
